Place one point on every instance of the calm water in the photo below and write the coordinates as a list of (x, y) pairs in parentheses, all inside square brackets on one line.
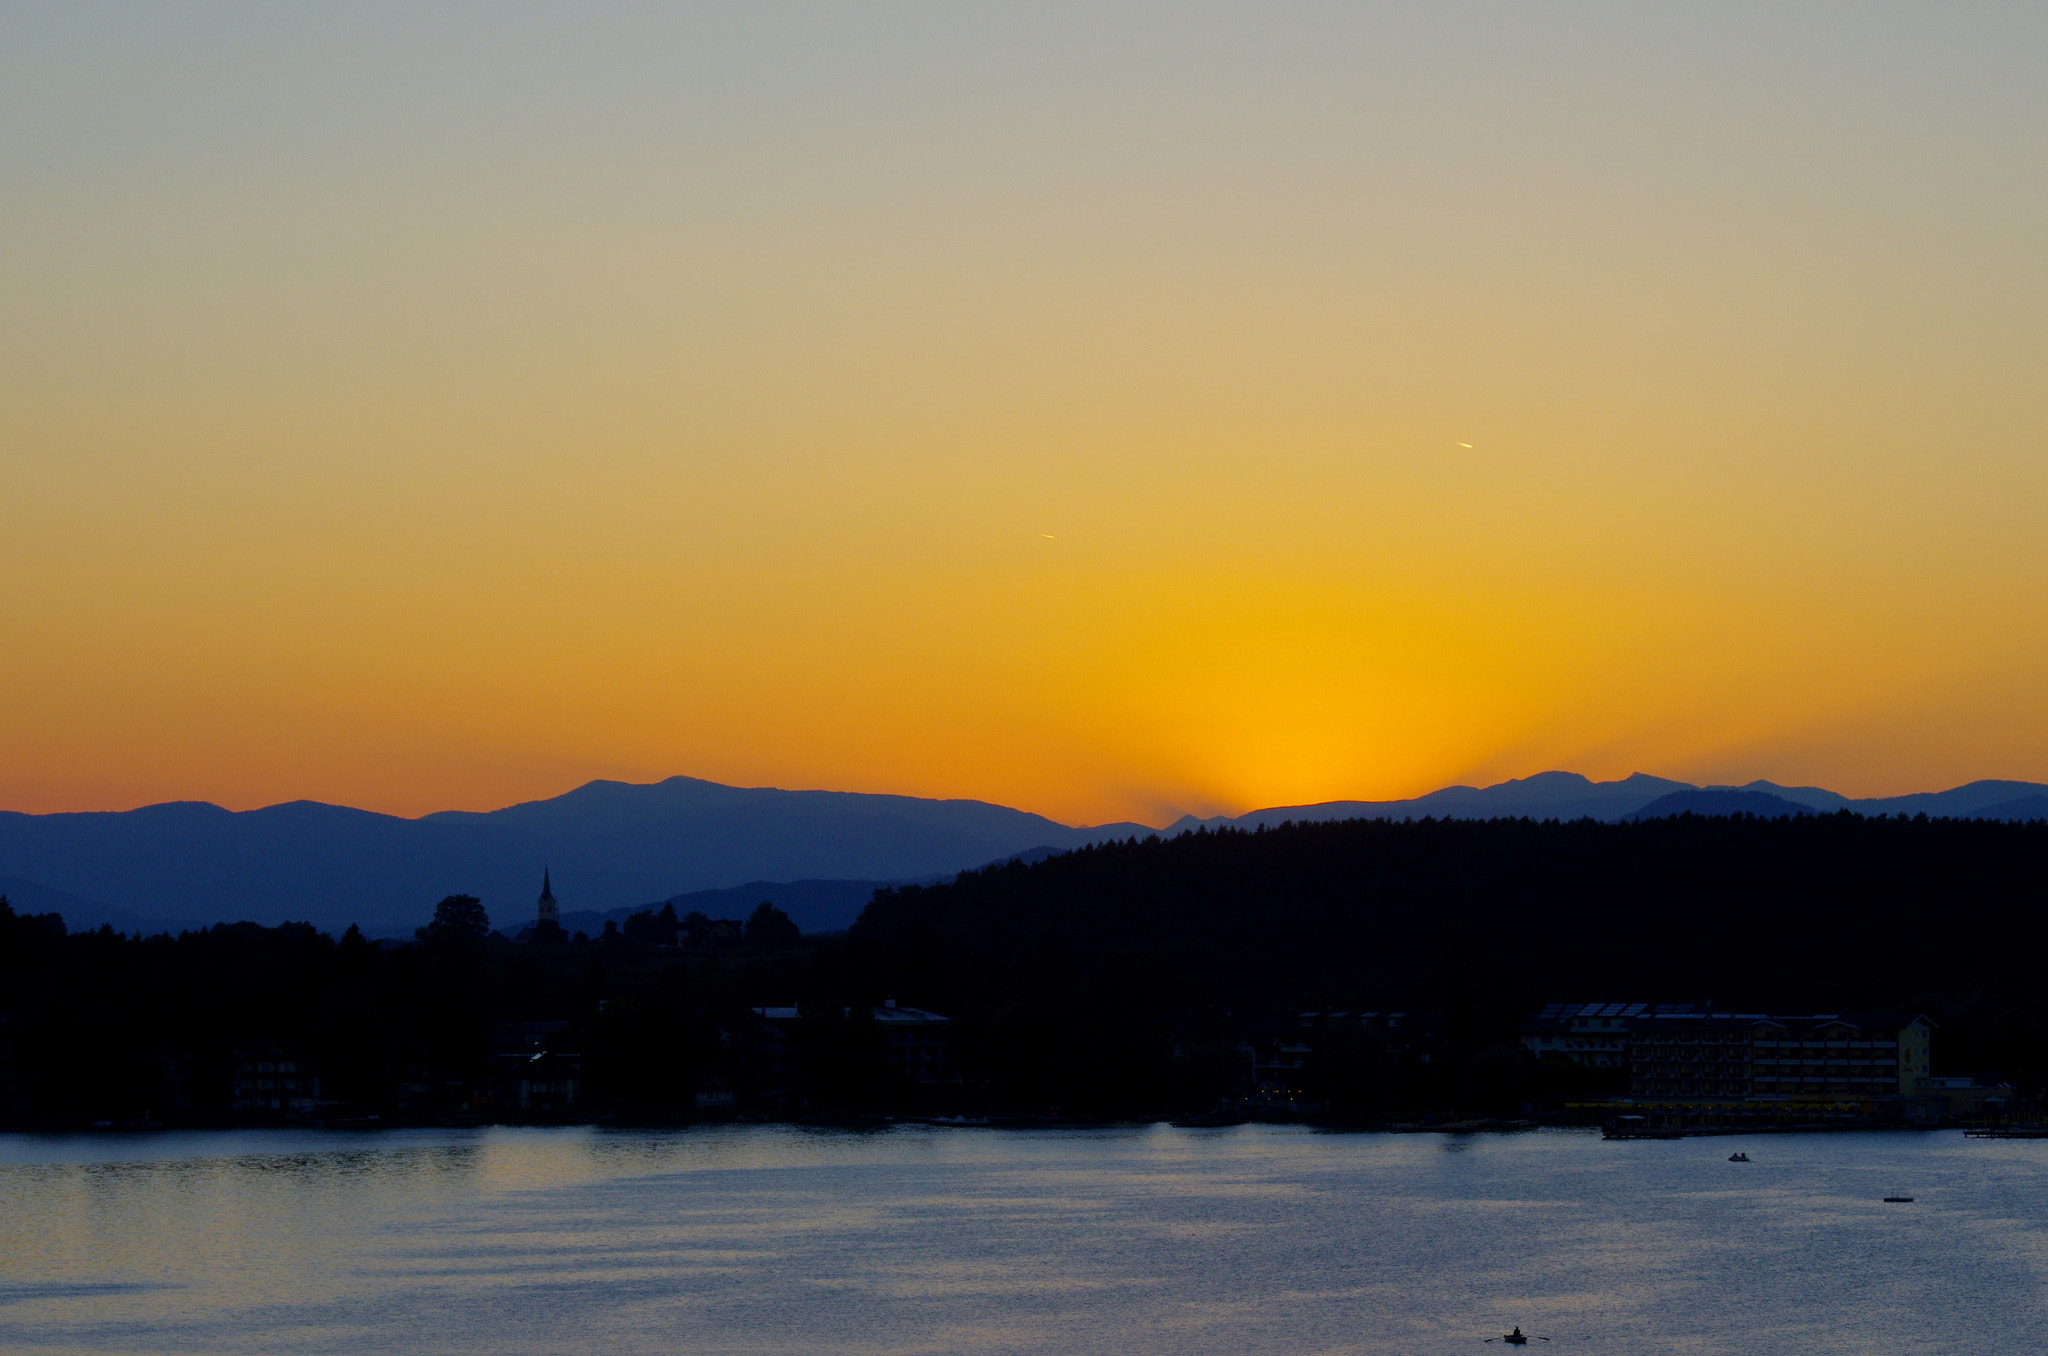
[(1249, 1240)]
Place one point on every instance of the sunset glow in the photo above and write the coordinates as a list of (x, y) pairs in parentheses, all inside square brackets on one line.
[(1110, 413)]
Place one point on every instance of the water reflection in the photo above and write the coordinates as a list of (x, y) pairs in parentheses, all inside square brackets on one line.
[(14, 1294), (1135, 1240)]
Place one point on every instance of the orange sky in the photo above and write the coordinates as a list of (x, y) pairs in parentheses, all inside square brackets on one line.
[(1112, 412)]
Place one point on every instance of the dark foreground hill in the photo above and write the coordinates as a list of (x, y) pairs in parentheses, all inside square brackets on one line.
[(1113, 947)]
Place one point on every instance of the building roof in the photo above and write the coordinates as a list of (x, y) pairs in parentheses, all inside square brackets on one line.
[(1553, 1017), (1560, 1011), (891, 1015), (894, 1015), (1566, 1016)]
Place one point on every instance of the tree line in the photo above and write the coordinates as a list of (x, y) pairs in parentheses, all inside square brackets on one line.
[(1130, 978), (100, 1026)]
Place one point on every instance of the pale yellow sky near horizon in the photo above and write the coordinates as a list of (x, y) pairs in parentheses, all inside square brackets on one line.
[(1110, 411)]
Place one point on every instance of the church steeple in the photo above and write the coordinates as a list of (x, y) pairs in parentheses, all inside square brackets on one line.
[(549, 913)]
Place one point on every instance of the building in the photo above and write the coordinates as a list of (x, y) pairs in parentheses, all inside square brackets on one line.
[(917, 1043), (1692, 1051), (547, 923), (715, 1092), (1692, 1054), (514, 1043), (271, 1080), (1967, 1098), (1592, 1034), (547, 1082), (529, 1072), (1280, 1056), (174, 1091), (1838, 1056)]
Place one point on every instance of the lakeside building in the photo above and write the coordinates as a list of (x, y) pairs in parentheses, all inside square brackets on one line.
[(547, 1082), (916, 1043), (273, 1080), (919, 1043), (529, 1073), (1281, 1054), (1592, 1034), (1968, 1098), (1826, 1056), (1691, 1051)]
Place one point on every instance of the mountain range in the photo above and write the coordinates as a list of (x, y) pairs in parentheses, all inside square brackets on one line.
[(614, 847)]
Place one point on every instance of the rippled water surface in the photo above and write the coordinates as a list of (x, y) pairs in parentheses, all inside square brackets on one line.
[(1147, 1240)]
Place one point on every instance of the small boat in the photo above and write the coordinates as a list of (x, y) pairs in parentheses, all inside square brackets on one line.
[(1517, 1338), (1898, 1200), (1738, 1158)]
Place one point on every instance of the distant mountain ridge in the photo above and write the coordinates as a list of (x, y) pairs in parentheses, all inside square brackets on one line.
[(615, 846), (1568, 795), (1547, 795), (610, 845)]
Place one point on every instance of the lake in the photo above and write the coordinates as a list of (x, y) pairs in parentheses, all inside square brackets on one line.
[(1253, 1239)]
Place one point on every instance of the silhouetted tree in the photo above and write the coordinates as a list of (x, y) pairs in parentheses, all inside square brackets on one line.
[(770, 926), (457, 916)]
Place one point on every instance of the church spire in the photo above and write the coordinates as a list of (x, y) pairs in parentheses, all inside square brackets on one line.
[(549, 913)]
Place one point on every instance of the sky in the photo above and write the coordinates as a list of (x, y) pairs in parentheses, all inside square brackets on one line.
[(1111, 410)]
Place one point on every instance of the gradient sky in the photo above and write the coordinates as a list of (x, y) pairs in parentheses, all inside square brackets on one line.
[(1108, 410)]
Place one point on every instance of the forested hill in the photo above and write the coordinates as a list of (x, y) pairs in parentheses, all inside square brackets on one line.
[(1485, 918)]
